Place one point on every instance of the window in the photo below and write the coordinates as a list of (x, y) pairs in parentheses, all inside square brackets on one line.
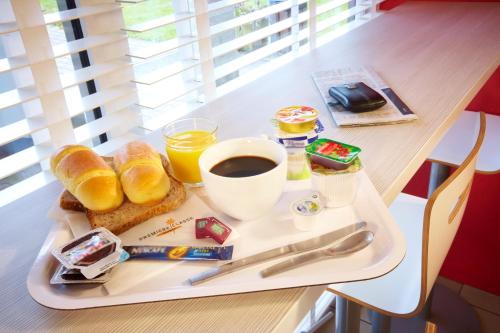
[(51, 96), (187, 52), (102, 72)]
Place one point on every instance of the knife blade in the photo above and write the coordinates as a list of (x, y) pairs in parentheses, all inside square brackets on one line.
[(355, 242), (294, 248)]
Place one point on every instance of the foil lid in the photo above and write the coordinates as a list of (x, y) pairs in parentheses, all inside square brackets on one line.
[(296, 118), (297, 114), (332, 154), (308, 206), (92, 254)]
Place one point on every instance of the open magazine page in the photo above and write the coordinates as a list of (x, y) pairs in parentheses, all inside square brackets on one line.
[(395, 111)]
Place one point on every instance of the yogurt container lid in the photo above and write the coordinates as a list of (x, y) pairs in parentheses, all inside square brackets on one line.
[(333, 150), (297, 114)]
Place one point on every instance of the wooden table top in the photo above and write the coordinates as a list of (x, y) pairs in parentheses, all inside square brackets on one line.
[(436, 56)]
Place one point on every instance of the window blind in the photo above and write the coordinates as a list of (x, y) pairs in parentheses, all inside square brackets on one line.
[(219, 45), (150, 61), (44, 100)]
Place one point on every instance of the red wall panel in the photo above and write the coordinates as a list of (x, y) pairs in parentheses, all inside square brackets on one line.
[(473, 257), (389, 4), (488, 99)]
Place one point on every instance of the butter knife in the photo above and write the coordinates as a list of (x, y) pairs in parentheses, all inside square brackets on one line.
[(295, 248), (347, 246)]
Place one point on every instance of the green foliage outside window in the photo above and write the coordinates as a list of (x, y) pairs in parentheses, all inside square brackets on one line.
[(148, 10), (151, 9)]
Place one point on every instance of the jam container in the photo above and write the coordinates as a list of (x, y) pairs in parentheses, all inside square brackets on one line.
[(92, 254), (332, 154), (305, 212), (297, 119), (338, 188)]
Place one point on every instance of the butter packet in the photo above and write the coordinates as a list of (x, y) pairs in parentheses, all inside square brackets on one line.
[(92, 254), (64, 275)]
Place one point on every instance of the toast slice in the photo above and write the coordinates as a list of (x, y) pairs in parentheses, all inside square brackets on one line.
[(128, 214)]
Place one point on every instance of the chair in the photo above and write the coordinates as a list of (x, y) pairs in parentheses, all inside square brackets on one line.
[(458, 141), (452, 149), (429, 226)]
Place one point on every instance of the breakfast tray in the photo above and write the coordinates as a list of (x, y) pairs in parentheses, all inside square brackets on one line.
[(163, 280)]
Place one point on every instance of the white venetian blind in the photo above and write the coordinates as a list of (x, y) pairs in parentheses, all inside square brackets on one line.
[(202, 49), (44, 101), (149, 62)]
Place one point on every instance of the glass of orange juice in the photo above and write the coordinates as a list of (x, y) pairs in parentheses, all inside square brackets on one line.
[(186, 140)]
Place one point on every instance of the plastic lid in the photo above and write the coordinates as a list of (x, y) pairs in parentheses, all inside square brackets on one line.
[(297, 114), (333, 150), (307, 206)]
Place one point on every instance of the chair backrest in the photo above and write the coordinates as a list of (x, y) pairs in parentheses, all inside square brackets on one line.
[(443, 215)]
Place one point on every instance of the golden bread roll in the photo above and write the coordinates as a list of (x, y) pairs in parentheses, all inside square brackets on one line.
[(141, 173), (88, 177), (128, 215)]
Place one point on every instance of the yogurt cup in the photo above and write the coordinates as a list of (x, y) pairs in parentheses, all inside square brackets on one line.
[(337, 187), (298, 166)]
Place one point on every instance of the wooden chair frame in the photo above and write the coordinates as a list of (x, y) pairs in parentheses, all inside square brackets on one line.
[(455, 216), (454, 165)]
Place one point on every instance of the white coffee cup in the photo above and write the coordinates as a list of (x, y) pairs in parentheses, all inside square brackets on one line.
[(244, 198)]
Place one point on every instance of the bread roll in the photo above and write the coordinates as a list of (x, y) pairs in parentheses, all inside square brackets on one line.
[(141, 173), (88, 177)]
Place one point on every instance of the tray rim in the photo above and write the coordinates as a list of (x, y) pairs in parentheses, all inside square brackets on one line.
[(42, 294)]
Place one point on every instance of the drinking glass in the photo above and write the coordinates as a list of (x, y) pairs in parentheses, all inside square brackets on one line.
[(186, 139)]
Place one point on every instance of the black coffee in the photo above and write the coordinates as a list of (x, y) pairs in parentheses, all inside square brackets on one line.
[(243, 166)]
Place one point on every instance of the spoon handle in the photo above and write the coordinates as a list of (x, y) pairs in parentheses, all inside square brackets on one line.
[(292, 263)]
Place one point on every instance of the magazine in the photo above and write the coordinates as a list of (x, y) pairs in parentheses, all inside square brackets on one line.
[(395, 111)]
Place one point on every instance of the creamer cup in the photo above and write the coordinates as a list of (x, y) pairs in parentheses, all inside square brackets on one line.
[(305, 212)]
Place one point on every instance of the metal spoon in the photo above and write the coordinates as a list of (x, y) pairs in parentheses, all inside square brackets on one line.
[(347, 246)]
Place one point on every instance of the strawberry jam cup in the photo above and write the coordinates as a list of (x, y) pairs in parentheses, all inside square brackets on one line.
[(332, 154)]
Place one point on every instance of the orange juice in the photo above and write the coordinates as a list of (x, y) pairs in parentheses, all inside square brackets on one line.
[(184, 150)]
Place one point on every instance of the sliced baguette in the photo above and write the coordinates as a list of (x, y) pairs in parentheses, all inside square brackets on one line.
[(128, 214)]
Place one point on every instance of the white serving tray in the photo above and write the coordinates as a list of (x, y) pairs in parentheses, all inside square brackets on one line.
[(276, 229)]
